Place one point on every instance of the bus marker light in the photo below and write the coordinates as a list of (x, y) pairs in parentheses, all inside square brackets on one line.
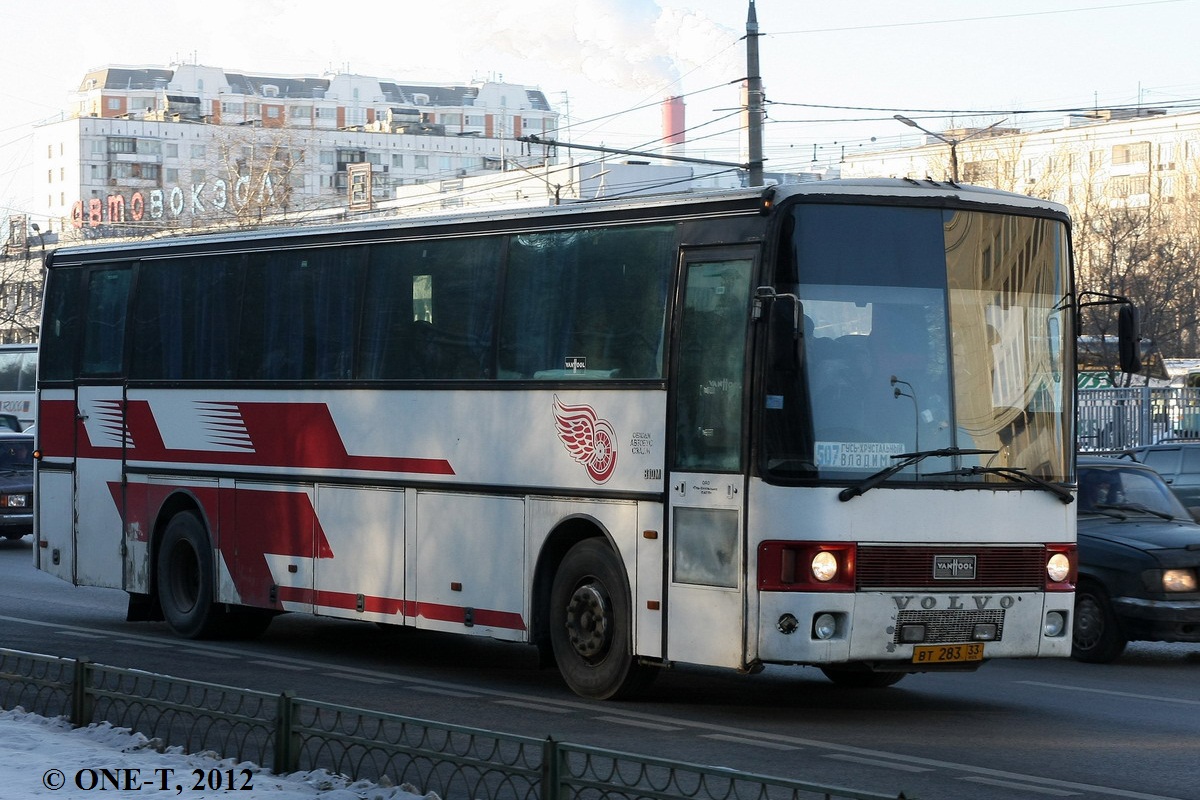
[(910, 634)]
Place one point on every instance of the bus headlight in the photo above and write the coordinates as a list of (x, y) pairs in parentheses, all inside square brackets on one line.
[(824, 566), (1179, 580), (1058, 567)]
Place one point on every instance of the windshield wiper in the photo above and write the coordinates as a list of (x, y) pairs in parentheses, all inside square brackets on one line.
[(905, 460), (1017, 475), (1138, 507)]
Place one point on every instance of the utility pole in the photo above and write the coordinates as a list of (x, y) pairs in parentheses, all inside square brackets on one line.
[(754, 102)]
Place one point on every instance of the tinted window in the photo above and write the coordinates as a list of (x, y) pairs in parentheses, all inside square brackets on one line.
[(60, 325), (104, 329), (185, 319), (586, 304), (429, 310), (299, 314)]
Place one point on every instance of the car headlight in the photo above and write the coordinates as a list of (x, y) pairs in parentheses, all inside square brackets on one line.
[(13, 500), (1179, 580)]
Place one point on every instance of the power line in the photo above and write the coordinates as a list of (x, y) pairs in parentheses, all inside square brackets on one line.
[(976, 19)]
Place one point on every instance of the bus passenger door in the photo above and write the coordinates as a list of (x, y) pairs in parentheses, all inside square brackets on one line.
[(706, 576), (102, 434)]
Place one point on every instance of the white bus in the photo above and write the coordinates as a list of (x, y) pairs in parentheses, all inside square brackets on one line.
[(18, 382), (828, 424)]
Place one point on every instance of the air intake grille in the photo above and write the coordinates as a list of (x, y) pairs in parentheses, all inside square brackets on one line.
[(944, 627), (1021, 568)]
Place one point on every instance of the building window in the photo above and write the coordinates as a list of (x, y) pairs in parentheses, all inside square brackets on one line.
[(328, 158), (375, 158), (1138, 152), (199, 151), (397, 160), (114, 104), (122, 144), (171, 150), (172, 175), (421, 162), (272, 112)]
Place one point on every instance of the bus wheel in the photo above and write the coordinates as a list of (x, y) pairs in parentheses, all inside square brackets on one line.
[(185, 578), (863, 678), (1096, 636), (590, 625)]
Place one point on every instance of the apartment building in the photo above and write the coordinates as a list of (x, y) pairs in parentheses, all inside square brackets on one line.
[(148, 148), (1130, 157)]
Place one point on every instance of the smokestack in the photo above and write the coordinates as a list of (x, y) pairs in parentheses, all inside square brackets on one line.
[(673, 125)]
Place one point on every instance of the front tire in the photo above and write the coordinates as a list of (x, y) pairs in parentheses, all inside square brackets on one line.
[(184, 568), (854, 678), (1096, 636), (591, 625)]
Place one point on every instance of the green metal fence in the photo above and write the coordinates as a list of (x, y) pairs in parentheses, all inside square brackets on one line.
[(289, 734)]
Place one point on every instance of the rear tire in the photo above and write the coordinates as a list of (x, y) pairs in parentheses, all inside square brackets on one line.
[(184, 570), (591, 625), (1096, 636)]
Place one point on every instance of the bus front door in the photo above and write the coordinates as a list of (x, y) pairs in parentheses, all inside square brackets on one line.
[(706, 488)]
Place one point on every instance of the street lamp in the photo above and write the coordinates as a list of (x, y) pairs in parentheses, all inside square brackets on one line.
[(954, 143)]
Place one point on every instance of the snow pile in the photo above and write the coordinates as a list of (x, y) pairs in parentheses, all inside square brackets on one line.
[(41, 757)]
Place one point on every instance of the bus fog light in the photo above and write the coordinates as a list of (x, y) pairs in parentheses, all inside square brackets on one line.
[(824, 626), (985, 632), (787, 624), (1056, 623), (909, 634)]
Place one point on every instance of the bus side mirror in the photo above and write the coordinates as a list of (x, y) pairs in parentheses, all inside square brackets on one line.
[(1129, 349), (783, 333)]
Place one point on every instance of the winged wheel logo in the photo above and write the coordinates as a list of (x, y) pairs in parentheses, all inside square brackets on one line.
[(591, 441)]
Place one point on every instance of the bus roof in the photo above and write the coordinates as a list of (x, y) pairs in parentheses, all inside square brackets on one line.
[(674, 205)]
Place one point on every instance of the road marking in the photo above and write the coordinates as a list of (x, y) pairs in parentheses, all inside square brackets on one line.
[(151, 645), (724, 737), (1111, 693), (875, 762), (208, 653), (279, 665), (534, 706), (1024, 787), (438, 690), (637, 723), (80, 635), (360, 678)]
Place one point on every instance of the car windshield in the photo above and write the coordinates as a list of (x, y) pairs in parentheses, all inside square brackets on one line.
[(1114, 490), (16, 455)]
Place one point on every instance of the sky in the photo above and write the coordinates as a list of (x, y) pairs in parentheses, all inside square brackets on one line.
[(42, 757), (835, 73)]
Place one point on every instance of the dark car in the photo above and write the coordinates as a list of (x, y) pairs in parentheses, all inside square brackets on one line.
[(16, 485), (1139, 559), (1179, 465)]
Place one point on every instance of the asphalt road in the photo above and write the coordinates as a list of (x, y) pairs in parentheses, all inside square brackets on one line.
[(1021, 729)]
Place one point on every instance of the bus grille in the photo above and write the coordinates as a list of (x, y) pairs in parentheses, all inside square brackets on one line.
[(1019, 568), (943, 627)]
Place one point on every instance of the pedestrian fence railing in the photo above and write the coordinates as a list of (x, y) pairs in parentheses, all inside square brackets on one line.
[(1111, 420), (291, 734)]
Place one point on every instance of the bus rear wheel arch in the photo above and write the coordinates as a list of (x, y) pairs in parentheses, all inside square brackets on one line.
[(591, 624)]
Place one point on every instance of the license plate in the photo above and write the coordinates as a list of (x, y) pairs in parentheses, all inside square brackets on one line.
[(947, 653)]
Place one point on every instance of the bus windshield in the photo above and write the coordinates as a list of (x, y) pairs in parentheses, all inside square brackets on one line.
[(924, 329)]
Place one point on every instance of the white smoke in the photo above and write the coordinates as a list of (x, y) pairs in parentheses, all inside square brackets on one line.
[(623, 44)]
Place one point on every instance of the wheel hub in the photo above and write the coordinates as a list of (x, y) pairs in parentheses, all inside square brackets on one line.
[(588, 626)]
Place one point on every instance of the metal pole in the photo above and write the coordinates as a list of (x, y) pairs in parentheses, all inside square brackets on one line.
[(754, 102)]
